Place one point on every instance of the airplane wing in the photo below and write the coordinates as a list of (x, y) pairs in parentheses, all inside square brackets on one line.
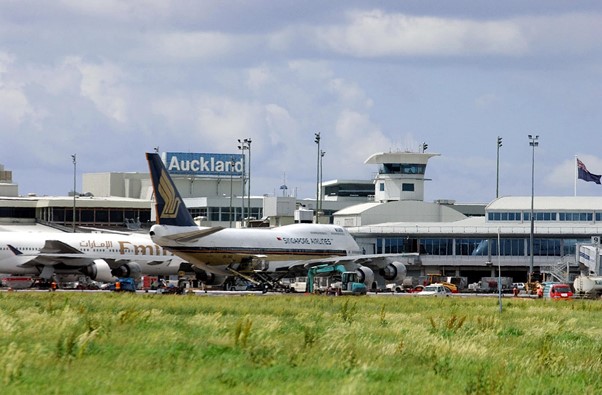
[(373, 260), (53, 253)]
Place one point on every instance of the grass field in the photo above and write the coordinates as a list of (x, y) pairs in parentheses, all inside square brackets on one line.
[(88, 343)]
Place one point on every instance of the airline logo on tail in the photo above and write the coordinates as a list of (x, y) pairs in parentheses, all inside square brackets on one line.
[(172, 201)]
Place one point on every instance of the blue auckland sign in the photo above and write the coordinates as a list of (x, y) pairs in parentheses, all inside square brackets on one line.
[(204, 164)]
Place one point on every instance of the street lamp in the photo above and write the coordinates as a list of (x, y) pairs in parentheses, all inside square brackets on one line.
[(317, 141), (231, 192), (497, 178), (248, 141), (74, 157), (245, 145), (322, 153), (533, 143)]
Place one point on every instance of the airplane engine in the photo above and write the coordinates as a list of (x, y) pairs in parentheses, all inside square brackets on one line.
[(394, 271), (131, 269), (209, 278), (365, 275), (99, 271)]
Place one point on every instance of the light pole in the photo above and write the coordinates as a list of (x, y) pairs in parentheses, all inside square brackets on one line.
[(322, 153), (242, 148), (245, 145), (74, 157), (231, 192), (248, 141), (533, 143), (317, 141), (497, 178)]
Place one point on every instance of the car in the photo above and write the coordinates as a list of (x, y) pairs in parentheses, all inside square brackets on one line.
[(560, 291), (435, 290), (519, 286)]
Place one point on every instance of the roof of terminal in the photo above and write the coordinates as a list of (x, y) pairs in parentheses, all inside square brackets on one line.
[(546, 203)]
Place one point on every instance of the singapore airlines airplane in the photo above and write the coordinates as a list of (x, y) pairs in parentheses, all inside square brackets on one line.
[(101, 256), (251, 251)]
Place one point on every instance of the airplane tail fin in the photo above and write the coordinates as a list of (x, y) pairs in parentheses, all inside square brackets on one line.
[(169, 205)]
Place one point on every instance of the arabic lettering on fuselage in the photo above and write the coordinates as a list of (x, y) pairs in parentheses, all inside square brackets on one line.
[(126, 247), (96, 244), (307, 240)]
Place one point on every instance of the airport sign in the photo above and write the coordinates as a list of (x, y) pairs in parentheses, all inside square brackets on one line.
[(204, 164)]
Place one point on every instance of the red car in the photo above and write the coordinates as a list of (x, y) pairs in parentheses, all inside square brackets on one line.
[(560, 291)]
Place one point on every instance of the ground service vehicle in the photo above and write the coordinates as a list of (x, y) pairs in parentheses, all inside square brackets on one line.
[(349, 283), (124, 284)]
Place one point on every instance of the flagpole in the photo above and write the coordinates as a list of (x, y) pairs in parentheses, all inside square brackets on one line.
[(576, 170)]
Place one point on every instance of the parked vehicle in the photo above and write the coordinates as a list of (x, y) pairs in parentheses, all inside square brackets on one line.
[(435, 290), (557, 291), (519, 286)]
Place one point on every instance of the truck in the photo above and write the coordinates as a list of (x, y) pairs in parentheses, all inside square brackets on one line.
[(490, 284), (345, 282)]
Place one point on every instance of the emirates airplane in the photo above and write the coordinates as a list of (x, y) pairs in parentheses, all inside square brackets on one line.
[(260, 251), (101, 256)]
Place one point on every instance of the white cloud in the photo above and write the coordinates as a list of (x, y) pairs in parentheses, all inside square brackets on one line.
[(102, 84), (222, 121), (14, 106), (201, 46), (258, 77), (280, 125), (356, 138), (5, 60), (486, 100), (376, 33), (119, 9), (349, 93)]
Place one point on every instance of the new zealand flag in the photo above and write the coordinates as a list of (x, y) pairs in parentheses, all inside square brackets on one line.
[(586, 175)]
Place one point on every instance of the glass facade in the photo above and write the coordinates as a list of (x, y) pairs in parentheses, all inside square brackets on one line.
[(544, 216), (479, 246), (223, 213), (97, 216)]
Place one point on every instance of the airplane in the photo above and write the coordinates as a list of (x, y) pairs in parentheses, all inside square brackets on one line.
[(100, 256), (266, 254)]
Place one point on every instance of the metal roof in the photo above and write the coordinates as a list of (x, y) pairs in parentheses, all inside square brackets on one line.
[(476, 226), (546, 203)]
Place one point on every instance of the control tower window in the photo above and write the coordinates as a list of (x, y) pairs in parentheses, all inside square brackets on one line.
[(402, 168), (406, 187)]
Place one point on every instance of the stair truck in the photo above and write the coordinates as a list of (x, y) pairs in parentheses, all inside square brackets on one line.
[(589, 283)]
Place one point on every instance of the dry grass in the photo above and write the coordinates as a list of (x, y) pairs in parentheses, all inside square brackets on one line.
[(121, 343)]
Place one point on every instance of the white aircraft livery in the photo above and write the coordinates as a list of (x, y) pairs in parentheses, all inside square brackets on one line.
[(227, 251), (101, 256)]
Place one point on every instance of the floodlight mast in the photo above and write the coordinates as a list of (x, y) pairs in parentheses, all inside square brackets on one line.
[(533, 143)]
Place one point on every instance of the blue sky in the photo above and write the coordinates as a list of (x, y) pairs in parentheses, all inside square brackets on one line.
[(110, 80)]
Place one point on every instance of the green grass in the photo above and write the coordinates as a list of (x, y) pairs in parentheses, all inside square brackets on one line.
[(81, 343)]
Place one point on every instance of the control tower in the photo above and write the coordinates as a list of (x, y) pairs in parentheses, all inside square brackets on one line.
[(400, 175)]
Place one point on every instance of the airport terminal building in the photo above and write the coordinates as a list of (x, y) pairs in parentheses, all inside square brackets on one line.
[(386, 215)]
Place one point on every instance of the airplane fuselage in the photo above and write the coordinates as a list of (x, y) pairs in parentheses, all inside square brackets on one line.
[(87, 247), (257, 248)]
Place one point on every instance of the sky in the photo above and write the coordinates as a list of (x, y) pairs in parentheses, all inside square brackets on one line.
[(109, 80)]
